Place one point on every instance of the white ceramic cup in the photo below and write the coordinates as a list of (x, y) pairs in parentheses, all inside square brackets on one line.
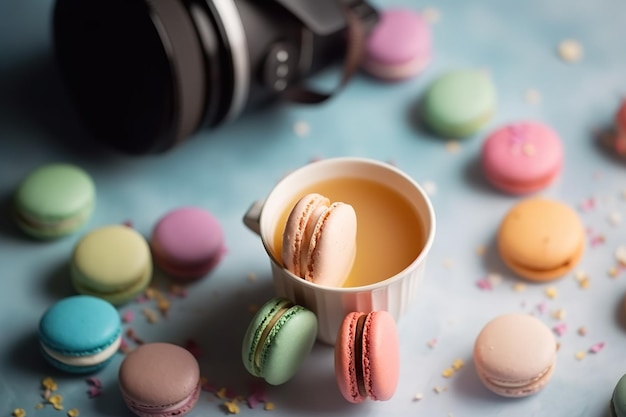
[(394, 294)]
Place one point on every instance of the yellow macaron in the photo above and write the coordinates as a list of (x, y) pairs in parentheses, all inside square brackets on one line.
[(541, 239), (113, 263)]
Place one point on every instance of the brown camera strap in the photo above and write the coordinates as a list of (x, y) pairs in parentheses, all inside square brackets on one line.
[(355, 47)]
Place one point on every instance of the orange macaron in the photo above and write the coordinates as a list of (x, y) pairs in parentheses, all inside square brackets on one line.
[(541, 239)]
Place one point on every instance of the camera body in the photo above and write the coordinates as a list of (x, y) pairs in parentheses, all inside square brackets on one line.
[(147, 74)]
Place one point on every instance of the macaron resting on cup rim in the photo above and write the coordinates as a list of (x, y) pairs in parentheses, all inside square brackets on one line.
[(515, 355), (367, 357), (54, 200), (522, 157), (319, 241), (459, 103), (160, 380), (399, 46), (80, 334), (187, 243), (395, 294), (541, 239), (111, 262), (278, 339)]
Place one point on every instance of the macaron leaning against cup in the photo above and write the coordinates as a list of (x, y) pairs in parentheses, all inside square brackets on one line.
[(54, 200), (367, 352), (80, 334), (459, 103), (187, 243), (111, 262), (319, 241), (160, 380), (541, 239), (515, 355), (399, 46), (278, 339), (522, 158)]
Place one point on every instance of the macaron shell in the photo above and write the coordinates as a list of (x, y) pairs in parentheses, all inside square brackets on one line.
[(522, 157), (187, 242), (541, 239), (54, 200), (399, 46), (80, 325), (380, 361), (158, 375), (287, 342), (294, 236), (113, 262), (618, 400), (458, 103), (515, 354), (333, 246)]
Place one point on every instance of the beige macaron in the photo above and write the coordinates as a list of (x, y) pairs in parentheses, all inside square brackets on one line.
[(515, 354), (319, 241), (541, 239)]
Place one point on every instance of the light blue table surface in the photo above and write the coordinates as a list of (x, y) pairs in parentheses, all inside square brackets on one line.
[(227, 169)]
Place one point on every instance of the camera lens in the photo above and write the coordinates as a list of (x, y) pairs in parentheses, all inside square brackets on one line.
[(134, 69), (146, 74)]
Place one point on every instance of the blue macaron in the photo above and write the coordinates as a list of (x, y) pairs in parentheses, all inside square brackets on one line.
[(80, 334)]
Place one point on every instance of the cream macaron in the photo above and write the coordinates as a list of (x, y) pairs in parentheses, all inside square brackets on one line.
[(515, 355)]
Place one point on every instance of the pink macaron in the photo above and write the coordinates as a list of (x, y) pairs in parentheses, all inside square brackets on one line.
[(367, 352), (187, 243), (521, 158), (399, 47), (160, 380), (619, 143), (515, 355), (319, 240)]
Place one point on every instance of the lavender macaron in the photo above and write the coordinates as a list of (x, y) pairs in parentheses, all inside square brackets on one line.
[(399, 47)]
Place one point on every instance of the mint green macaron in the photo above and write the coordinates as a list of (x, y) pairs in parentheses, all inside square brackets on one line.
[(618, 400), (459, 103), (54, 200), (278, 340)]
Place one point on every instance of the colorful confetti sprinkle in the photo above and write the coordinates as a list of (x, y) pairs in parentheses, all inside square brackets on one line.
[(570, 50), (551, 292), (128, 316), (559, 314), (231, 407), (432, 343), (439, 389), (560, 329), (484, 284), (269, 406), (418, 397), (582, 331), (447, 373), (519, 287), (73, 412), (580, 355), (596, 348), (458, 364), (49, 384), (150, 315), (19, 412)]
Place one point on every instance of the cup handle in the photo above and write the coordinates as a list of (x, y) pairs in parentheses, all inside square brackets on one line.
[(252, 217)]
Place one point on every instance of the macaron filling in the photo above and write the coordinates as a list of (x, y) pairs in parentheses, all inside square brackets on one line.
[(267, 329), (176, 408), (506, 384), (358, 356), (521, 186), (87, 359), (44, 226)]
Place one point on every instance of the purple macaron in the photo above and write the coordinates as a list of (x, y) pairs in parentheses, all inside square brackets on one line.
[(399, 47)]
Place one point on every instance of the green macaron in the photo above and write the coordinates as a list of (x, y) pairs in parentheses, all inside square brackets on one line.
[(278, 340), (618, 400), (459, 103), (54, 200)]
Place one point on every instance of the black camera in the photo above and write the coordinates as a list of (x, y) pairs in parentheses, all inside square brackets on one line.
[(146, 74)]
